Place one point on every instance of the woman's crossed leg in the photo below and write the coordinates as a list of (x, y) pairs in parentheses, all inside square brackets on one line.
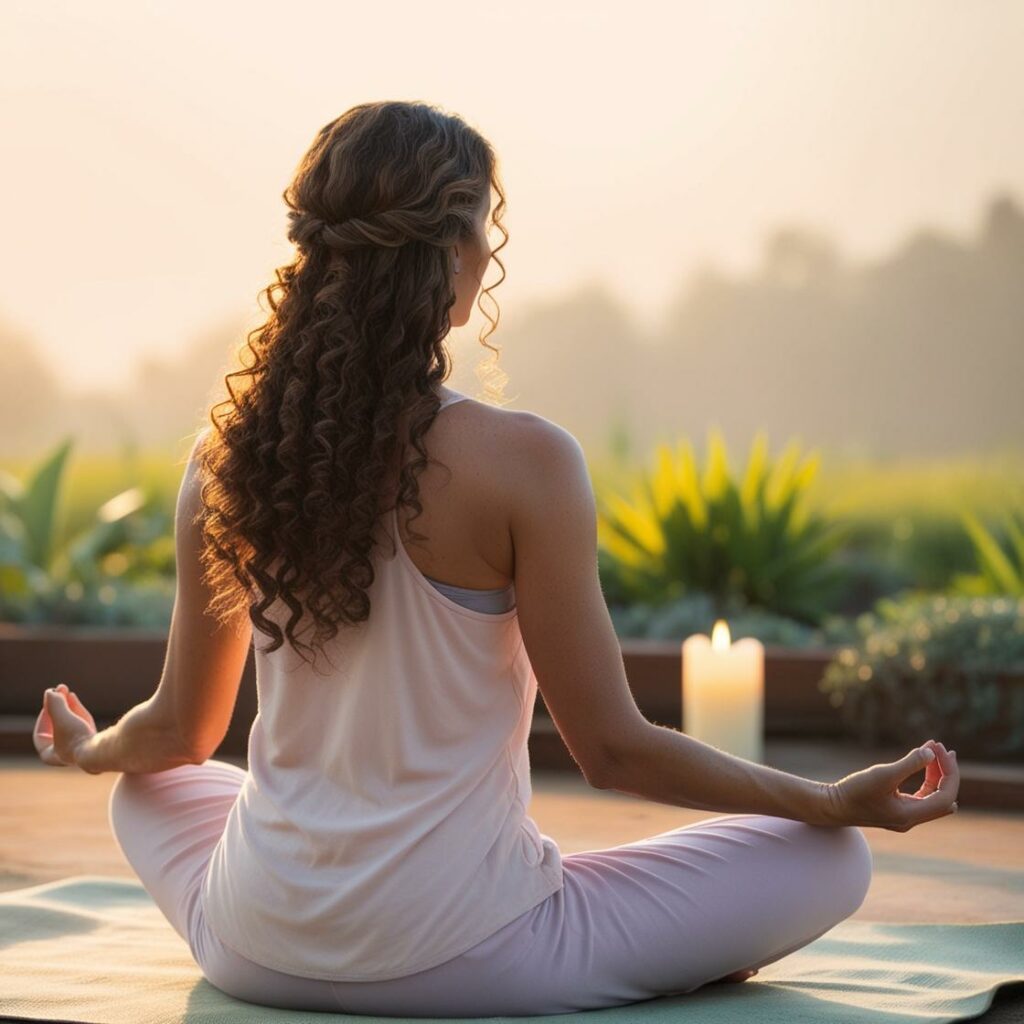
[(660, 916)]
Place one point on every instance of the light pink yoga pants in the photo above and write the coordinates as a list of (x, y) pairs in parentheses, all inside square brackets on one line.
[(661, 916)]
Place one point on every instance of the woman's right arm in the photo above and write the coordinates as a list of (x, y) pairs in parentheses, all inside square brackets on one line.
[(576, 657)]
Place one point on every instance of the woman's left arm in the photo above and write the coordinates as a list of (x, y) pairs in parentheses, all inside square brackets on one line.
[(140, 741), (187, 717)]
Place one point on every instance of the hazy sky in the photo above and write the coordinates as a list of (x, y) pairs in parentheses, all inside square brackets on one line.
[(146, 145)]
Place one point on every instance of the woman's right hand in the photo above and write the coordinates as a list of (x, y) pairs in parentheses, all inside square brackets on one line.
[(871, 797)]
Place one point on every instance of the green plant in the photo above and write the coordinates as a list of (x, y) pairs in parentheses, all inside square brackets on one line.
[(907, 512), (753, 543), (119, 568), (697, 613), (999, 572), (867, 577), (948, 667)]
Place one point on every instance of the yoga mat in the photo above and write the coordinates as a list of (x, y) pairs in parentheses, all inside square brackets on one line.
[(94, 949)]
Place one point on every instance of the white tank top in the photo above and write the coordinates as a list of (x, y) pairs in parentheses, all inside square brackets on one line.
[(382, 826)]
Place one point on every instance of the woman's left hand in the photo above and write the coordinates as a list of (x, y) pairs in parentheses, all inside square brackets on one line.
[(62, 727)]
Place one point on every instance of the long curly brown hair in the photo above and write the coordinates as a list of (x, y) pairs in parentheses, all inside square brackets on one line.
[(301, 455)]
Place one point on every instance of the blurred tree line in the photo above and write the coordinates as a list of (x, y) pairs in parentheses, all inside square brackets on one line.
[(918, 353)]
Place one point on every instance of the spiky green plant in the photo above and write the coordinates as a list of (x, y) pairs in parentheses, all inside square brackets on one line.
[(752, 543), (47, 576), (999, 571)]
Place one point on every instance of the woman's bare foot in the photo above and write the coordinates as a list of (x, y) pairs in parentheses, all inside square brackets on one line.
[(737, 976)]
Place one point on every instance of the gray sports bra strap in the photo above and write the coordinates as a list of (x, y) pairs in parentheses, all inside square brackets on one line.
[(500, 599)]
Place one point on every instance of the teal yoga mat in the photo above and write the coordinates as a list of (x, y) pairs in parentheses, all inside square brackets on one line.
[(97, 950)]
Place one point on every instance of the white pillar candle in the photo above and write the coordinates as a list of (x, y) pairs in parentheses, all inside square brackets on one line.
[(723, 692)]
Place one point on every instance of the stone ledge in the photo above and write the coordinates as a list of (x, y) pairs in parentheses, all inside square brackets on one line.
[(114, 669)]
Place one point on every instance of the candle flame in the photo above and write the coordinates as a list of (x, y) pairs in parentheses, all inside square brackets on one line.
[(720, 636)]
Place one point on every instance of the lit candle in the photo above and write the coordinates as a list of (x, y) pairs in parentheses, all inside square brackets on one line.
[(723, 692)]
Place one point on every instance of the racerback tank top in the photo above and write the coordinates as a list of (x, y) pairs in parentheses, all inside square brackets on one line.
[(383, 827)]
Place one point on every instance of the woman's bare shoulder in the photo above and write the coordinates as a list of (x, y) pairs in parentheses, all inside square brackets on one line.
[(519, 435), (521, 454)]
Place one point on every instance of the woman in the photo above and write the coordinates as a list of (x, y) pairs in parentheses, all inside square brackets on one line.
[(377, 856)]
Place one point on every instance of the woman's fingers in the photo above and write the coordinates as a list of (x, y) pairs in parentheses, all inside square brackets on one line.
[(79, 708), (69, 729), (61, 708), (42, 731), (42, 738), (75, 704), (934, 771), (936, 803), (911, 763)]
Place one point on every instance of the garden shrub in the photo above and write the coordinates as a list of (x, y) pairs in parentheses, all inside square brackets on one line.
[(946, 667)]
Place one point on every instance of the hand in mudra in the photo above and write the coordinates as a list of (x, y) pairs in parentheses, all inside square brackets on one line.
[(871, 797), (62, 726)]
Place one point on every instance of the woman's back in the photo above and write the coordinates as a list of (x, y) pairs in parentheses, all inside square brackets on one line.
[(469, 556), (383, 826)]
